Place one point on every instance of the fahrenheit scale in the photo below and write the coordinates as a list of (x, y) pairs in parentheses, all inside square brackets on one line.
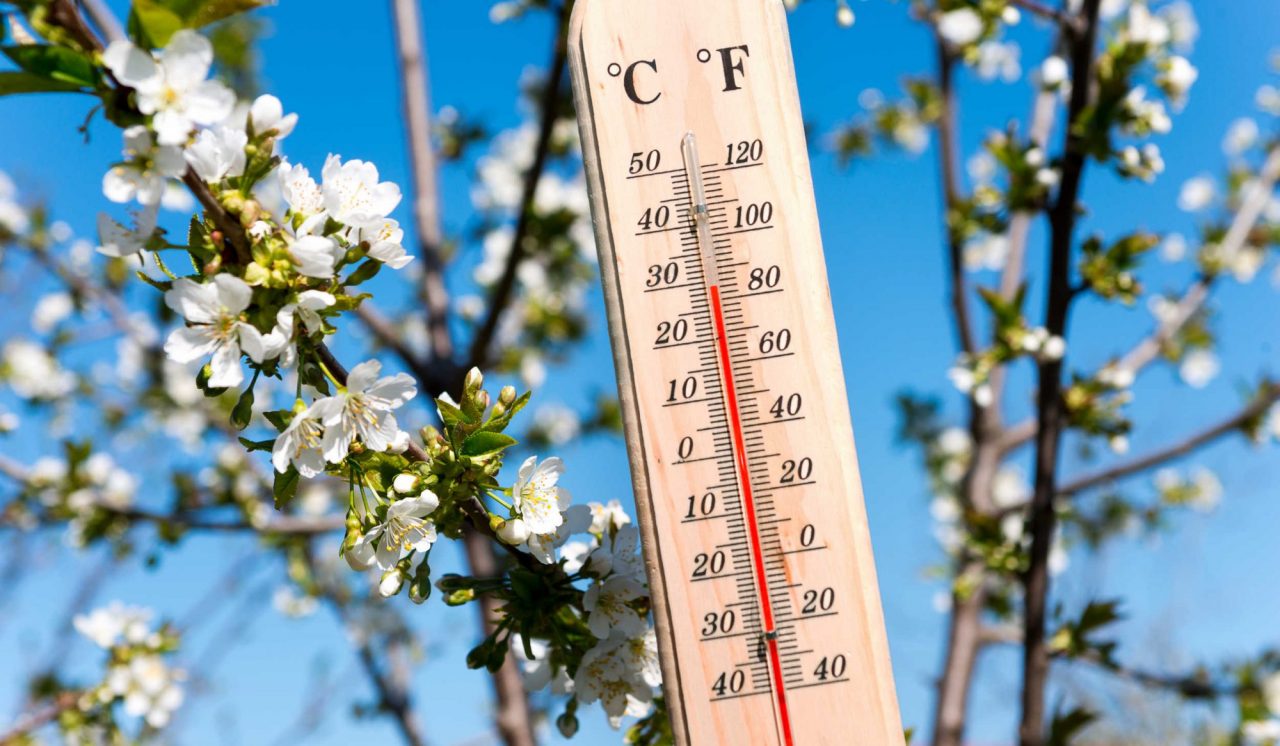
[(737, 425)]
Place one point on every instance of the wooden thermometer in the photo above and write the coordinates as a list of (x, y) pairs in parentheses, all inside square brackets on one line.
[(746, 482)]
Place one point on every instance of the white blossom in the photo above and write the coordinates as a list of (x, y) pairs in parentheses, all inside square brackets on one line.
[(13, 218), (988, 251), (51, 310), (32, 372), (1198, 368), (576, 519), (619, 555), (999, 60), (1197, 193), (607, 517), (119, 240), (363, 409), (212, 311), (353, 195), (1241, 135), (1143, 27), (145, 173), (1261, 732), (1177, 75), (537, 671), (605, 675), (960, 27), (405, 529), (267, 113), (149, 687), (385, 243), (299, 190), (315, 256), (301, 444), (113, 624), (1271, 693), (1180, 19), (537, 496), (218, 153), (171, 86), (844, 15), (289, 602), (608, 606), (1053, 72)]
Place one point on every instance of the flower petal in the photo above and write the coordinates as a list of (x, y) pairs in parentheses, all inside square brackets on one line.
[(130, 65), (195, 302), (233, 293), (227, 372), (396, 390), (189, 344), (186, 59)]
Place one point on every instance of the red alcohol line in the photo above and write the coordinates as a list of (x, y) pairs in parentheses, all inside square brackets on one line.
[(749, 509)]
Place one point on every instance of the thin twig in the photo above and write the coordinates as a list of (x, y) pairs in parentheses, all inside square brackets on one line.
[(1255, 409), (948, 154), (1246, 218), (503, 292)]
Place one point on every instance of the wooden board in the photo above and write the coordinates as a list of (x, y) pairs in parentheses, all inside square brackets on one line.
[(737, 423)]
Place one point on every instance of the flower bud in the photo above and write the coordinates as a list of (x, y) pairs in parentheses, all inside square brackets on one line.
[(513, 532), (458, 598), (507, 395), (405, 483), (391, 583), (567, 724), (473, 381)]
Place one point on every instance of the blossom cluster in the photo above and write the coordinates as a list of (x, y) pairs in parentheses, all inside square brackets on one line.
[(139, 682)]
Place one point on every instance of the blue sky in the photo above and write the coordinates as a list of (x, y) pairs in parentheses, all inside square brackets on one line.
[(1192, 594)]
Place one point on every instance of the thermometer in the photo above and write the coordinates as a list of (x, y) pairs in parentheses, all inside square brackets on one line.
[(737, 424)]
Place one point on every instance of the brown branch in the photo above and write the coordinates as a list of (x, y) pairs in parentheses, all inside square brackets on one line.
[(1246, 218), (431, 374), (416, 103), (1049, 406), (948, 154), (1255, 409), (33, 721), (992, 442), (504, 291)]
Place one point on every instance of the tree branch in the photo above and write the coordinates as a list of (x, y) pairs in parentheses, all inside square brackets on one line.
[(1049, 407), (1241, 227), (948, 154), (1255, 409), (416, 103), (503, 292)]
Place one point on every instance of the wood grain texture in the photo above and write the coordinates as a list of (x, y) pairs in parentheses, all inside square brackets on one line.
[(766, 604)]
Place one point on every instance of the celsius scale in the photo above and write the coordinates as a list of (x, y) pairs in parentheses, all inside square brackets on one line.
[(737, 424)]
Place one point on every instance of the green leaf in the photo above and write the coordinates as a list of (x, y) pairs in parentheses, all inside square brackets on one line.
[(54, 62), (163, 286), (14, 82), (151, 24), (279, 418), (364, 273), (212, 11), (485, 442), (285, 487), (257, 445), (242, 413), (1067, 726), (451, 414)]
